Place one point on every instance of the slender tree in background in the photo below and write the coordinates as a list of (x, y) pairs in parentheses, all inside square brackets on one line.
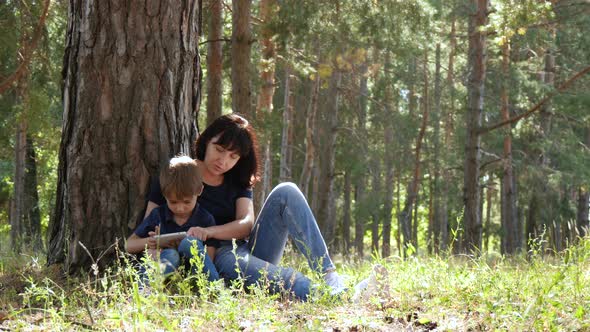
[(327, 213), (215, 61), (404, 216), (475, 98), (285, 171), (509, 214), (241, 37), (438, 214), (264, 105), (131, 74)]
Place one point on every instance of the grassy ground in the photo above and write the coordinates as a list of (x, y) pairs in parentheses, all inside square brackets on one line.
[(490, 293)]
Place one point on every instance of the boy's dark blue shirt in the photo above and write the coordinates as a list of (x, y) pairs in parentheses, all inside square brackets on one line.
[(163, 217), (220, 200)]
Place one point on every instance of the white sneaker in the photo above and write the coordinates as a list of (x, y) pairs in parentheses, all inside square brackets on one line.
[(336, 282), (375, 285)]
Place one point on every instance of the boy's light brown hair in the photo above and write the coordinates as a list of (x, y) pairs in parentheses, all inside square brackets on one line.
[(181, 178)]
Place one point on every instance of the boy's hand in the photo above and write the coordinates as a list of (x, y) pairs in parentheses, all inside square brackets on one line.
[(152, 242), (200, 233)]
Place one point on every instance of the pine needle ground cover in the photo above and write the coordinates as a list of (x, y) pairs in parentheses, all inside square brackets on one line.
[(535, 293)]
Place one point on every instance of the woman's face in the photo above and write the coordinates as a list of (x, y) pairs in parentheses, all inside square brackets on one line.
[(219, 160)]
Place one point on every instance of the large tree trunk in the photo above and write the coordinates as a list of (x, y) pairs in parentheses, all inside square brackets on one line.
[(215, 61), (240, 58), (475, 96), (131, 94), (509, 209), (327, 199)]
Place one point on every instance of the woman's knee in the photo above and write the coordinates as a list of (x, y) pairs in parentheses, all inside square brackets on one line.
[(287, 190)]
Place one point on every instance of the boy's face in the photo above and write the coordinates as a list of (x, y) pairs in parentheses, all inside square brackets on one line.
[(181, 206)]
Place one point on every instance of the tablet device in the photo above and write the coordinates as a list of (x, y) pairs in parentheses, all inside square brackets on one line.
[(170, 236)]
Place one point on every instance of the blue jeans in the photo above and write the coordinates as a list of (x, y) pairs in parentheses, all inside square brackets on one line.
[(184, 248), (284, 213), (171, 259)]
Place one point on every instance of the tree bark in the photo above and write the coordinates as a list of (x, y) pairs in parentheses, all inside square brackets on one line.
[(475, 98), (131, 95), (215, 61), (240, 58)]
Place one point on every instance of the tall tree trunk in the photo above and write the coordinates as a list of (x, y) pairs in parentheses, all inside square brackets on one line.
[(327, 199), (131, 95), (475, 96), (31, 196), (346, 219), (287, 134), (376, 213), (398, 209), (240, 58), (413, 187), (509, 209), (215, 61)]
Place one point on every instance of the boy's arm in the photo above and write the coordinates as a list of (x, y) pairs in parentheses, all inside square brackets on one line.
[(136, 244), (211, 252)]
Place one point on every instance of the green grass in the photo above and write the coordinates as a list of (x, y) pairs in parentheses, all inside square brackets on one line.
[(459, 293)]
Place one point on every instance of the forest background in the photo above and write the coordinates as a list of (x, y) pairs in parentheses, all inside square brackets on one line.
[(413, 127), (369, 107)]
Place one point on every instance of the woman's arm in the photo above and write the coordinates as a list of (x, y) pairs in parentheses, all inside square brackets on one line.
[(237, 229), (149, 208)]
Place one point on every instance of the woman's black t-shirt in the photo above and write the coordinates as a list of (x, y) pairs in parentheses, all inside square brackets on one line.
[(220, 200)]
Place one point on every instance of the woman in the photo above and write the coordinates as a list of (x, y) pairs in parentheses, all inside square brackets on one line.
[(228, 159)]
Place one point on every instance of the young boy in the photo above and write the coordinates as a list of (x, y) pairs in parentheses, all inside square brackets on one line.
[(181, 186)]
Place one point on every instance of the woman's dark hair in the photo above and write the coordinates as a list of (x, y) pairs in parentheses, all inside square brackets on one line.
[(235, 134)]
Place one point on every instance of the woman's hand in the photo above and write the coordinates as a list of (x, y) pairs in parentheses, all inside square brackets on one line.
[(200, 233)]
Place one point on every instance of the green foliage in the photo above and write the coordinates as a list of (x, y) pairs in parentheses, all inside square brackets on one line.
[(458, 293)]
